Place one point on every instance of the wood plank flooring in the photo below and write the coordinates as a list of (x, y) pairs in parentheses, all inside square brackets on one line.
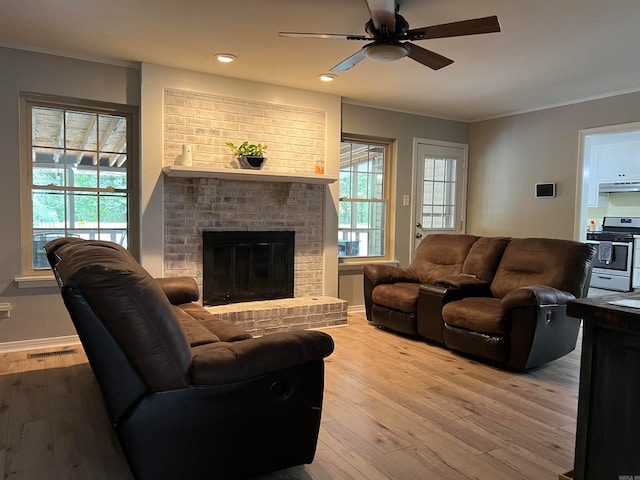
[(394, 408)]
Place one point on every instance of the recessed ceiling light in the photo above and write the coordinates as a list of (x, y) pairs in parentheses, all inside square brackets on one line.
[(328, 77), (225, 57)]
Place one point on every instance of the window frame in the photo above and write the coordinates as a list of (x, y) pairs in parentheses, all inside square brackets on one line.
[(30, 100), (389, 146)]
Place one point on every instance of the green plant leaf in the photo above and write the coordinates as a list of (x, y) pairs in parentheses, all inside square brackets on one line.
[(247, 149)]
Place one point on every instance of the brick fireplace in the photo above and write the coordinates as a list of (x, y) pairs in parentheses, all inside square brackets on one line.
[(193, 205), (296, 140)]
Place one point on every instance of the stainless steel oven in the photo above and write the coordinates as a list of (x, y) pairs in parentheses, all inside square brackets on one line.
[(616, 274), (613, 262)]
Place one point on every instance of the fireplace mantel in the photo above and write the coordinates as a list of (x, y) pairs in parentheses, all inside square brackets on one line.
[(248, 175)]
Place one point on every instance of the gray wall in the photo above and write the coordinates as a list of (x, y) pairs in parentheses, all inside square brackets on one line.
[(508, 156), (403, 128), (39, 312)]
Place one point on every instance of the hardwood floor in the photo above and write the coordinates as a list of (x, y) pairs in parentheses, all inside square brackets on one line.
[(394, 408)]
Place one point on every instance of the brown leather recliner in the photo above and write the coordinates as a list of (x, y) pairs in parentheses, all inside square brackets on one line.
[(523, 323), (391, 293), (189, 395)]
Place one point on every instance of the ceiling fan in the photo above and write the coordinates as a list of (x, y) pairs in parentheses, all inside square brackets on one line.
[(390, 37)]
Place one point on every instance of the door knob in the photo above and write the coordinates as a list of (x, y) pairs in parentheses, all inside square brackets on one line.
[(418, 225), (418, 235)]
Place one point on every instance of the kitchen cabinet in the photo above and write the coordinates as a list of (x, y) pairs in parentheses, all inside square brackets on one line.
[(594, 198), (617, 163)]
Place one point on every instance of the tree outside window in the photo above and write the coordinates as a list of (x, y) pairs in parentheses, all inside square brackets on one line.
[(79, 176)]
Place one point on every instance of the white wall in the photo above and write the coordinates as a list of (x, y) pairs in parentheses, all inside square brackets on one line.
[(38, 312), (509, 155)]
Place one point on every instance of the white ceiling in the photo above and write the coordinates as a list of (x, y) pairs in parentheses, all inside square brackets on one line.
[(549, 52)]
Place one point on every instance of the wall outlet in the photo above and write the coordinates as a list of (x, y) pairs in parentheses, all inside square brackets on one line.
[(405, 200)]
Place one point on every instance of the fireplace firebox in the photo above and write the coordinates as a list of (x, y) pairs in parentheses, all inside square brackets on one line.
[(246, 266)]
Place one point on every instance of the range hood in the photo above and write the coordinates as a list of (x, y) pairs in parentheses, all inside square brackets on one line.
[(611, 187)]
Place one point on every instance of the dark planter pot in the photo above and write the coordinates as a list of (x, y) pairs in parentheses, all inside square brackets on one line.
[(251, 161)]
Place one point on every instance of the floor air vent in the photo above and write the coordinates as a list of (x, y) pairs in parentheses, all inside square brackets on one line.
[(52, 354)]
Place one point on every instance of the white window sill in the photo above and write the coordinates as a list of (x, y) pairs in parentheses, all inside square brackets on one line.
[(356, 266), (40, 281)]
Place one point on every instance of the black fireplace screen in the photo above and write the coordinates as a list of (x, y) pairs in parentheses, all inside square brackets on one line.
[(242, 266)]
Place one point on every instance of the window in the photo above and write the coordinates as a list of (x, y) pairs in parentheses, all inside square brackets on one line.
[(363, 222), (78, 174), (439, 193)]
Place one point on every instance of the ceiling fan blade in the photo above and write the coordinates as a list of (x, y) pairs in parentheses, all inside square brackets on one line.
[(426, 57), (383, 14), (456, 29), (323, 35), (350, 62)]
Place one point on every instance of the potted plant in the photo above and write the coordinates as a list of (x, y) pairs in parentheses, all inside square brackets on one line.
[(250, 155)]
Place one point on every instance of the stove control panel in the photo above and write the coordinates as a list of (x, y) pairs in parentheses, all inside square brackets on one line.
[(621, 222), (610, 237)]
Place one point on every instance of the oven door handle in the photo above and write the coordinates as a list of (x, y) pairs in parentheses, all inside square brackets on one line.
[(617, 244)]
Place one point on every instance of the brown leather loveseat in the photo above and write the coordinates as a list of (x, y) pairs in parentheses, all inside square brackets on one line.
[(189, 395), (391, 293), (505, 304)]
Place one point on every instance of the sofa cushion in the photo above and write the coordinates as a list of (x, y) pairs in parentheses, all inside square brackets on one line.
[(228, 362), (484, 257), (543, 261), (441, 254), (135, 309), (478, 314), (399, 296)]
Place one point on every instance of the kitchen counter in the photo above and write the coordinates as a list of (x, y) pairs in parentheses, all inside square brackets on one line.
[(601, 312), (607, 440)]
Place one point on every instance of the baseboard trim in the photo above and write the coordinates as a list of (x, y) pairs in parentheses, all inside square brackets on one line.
[(39, 343), (355, 308)]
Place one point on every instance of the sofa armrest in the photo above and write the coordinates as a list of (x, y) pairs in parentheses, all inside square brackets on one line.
[(223, 363), (379, 274), (463, 281), (535, 295), (179, 290)]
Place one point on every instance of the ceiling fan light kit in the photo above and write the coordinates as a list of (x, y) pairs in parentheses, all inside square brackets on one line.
[(386, 52), (391, 38)]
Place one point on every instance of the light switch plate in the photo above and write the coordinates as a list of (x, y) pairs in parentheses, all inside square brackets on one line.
[(5, 310)]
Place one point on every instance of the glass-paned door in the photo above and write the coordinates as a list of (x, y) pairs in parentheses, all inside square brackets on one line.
[(440, 189)]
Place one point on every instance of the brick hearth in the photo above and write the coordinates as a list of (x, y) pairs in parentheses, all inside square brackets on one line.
[(264, 317)]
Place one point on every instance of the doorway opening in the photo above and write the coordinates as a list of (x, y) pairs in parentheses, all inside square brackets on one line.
[(608, 182)]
